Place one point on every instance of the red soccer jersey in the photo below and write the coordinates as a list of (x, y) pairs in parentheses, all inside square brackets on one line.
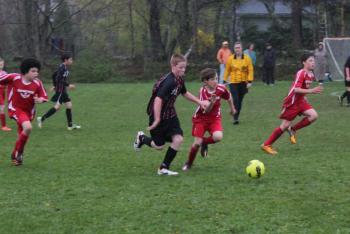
[(2, 73), (205, 94), (22, 93), (303, 79)]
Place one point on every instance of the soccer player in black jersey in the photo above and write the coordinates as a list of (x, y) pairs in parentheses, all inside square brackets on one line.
[(61, 84), (164, 126), (346, 94)]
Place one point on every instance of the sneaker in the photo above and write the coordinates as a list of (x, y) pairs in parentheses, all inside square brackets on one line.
[(268, 149), (73, 127), (6, 129), (292, 135), (340, 100), (165, 171), (39, 121), (186, 167), (138, 141), (204, 150), (17, 160)]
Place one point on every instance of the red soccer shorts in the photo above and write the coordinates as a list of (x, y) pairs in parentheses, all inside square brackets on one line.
[(20, 116), (2, 96), (200, 126), (291, 112)]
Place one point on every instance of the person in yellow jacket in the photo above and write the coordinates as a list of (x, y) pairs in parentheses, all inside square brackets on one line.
[(239, 73)]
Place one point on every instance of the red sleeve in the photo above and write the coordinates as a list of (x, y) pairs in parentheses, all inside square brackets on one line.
[(226, 94), (41, 91), (6, 79), (299, 79)]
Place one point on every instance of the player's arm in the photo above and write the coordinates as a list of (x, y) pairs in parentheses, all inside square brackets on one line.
[(189, 96), (250, 72), (315, 90), (41, 95), (347, 73), (157, 107), (231, 105), (6, 79)]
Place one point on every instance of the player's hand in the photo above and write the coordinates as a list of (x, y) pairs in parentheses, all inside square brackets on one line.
[(249, 85), (347, 78), (71, 86), (38, 100), (233, 111), (154, 125), (213, 98), (317, 89), (52, 89), (204, 104)]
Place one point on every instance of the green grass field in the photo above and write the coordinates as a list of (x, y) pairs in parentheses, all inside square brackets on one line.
[(92, 181)]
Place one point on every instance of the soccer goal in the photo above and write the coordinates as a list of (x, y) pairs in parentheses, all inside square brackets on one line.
[(338, 50)]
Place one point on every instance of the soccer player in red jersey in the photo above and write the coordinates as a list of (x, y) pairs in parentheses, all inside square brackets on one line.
[(209, 119), (2, 99), (26, 90), (296, 104)]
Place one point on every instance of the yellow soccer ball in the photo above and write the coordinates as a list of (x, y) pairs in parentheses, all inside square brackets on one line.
[(255, 169)]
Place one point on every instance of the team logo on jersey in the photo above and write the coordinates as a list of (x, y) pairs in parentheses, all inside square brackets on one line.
[(25, 93)]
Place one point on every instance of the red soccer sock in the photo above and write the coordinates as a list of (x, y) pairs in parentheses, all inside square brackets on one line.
[(301, 124), (192, 154), (3, 120), (274, 136), (20, 143), (208, 140)]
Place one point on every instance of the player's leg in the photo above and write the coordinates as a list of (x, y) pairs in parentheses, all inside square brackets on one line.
[(277, 132), (216, 134), (24, 130), (192, 154), (241, 90), (51, 111), (69, 115), (310, 117), (348, 95), (235, 96)]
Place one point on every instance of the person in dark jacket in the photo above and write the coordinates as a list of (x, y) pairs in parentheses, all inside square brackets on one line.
[(269, 65)]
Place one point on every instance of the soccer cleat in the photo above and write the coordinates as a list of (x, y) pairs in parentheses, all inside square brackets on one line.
[(235, 122), (73, 127), (292, 135), (187, 166), (39, 121), (138, 141), (5, 129), (340, 100), (268, 149), (204, 150), (165, 171), (17, 160)]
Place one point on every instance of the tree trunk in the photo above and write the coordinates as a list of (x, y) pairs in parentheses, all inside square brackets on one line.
[(184, 31), (131, 26), (157, 47), (233, 34), (296, 24)]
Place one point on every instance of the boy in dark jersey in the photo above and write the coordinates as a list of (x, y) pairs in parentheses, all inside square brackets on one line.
[(61, 84), (164, 125), (25, 90), (296, 104), (347, 84), (208, 120)]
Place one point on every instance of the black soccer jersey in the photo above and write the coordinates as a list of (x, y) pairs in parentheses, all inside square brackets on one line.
[(61, 81), (167, 88)]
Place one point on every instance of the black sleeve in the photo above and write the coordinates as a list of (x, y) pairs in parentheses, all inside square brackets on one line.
[(347, 64), (183, 90), (164, 91)]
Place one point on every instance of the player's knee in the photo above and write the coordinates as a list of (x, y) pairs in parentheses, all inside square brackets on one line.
[(57, 107), (313, 117), (217, 136), (178, 139), (27, 128)]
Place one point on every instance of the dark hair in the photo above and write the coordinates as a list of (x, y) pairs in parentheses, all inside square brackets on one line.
[(207, 74), (65, 56), (29, 63), (305, 56)]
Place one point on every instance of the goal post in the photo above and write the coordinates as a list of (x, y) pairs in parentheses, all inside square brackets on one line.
[(337, 50)]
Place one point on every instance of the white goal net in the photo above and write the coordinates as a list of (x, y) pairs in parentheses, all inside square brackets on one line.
[(338, 50)]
